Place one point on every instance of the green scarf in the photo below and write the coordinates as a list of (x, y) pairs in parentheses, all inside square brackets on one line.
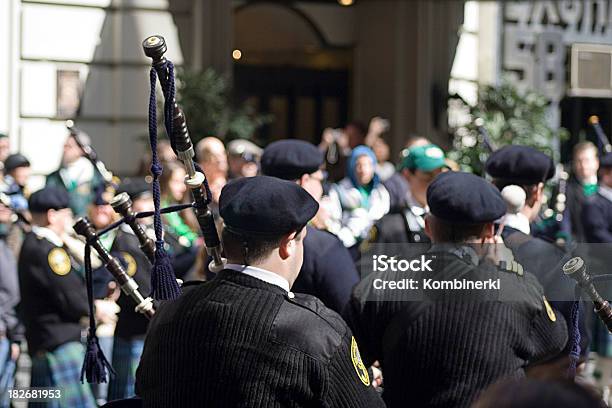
[(365, 192), (589, 189)]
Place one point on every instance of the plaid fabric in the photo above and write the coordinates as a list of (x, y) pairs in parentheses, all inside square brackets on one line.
[(126, 357), (62, 369), (602, 339), (7, 372)]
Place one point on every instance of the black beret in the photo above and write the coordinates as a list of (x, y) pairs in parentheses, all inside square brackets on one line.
[(14, 161), (520, 165), (606, 161), (463, 198), (136, 187), (49, 198), (290, 159), (265, 206)]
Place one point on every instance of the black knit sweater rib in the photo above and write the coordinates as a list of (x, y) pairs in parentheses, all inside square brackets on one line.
[(237, 341), (444, 350)]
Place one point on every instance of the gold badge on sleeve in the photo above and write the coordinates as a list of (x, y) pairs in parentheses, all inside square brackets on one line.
[(362, 371), (59, 261), (132, 267), (549, 310)]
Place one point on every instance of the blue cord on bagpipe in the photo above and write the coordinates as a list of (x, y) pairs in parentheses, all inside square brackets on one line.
[(163, 281)]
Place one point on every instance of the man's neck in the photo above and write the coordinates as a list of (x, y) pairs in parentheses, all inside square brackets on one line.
[(588, 180), (528, 213), (420, 198), (271, 267)]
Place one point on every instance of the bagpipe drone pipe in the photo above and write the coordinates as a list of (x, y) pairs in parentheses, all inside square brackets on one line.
[(163, 280)]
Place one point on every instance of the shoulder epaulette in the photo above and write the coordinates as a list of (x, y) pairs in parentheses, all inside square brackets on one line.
[(192, 283), (511, 267)]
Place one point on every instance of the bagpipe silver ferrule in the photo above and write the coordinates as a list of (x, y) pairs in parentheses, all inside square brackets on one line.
[(187, 158)]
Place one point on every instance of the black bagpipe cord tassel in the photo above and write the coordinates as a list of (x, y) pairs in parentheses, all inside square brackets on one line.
[(95, 365), (163, 280)]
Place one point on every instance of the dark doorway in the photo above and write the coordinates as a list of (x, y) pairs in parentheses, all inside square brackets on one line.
[(302, 101), (575, 113), (285, 66)]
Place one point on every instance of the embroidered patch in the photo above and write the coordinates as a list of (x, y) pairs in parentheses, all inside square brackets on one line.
[(132, 266), (549, 310), (362, 371), (59, 261)]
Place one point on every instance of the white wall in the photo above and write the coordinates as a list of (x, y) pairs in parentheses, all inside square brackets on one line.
[(477, 60), (101, 39)]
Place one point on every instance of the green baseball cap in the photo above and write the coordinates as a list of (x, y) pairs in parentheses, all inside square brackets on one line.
[(425, 158)]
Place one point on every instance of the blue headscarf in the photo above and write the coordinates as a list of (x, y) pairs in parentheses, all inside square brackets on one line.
[(357, 152)]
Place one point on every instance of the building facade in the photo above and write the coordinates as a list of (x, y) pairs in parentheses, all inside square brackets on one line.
[(313, 64)]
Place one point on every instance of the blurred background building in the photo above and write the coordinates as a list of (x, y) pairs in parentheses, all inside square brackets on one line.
[(312, 64)]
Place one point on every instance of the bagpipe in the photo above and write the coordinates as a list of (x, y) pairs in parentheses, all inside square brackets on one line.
[(576, 269), (604, 142), (163, 280)]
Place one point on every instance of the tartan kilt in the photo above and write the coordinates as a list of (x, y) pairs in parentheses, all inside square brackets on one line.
[(602, 338), (126, 357), (61, 369)]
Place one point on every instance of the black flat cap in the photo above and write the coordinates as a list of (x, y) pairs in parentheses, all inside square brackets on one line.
[(463, 198), (520, 165), (135, 187), (49, 198), (605, 162), (14, 161), (265, 206), (290, 159)]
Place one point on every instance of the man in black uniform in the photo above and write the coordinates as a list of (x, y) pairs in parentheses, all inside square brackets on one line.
[(443, 350), (131, 326), (530, 169), (597, 223), (597, 213), (328, 271), (419, 167), (244, 339), (53, 301), (581, 185)]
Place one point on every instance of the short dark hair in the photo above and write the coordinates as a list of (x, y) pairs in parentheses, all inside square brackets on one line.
[(451, 233), (248, 248), (582, 146)]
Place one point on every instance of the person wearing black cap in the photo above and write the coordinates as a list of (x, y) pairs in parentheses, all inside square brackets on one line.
[(243, 338), (17, 172), (529, 169), (53, 301), (328, 271), (440, 348), (131, 326), (15, 197)]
